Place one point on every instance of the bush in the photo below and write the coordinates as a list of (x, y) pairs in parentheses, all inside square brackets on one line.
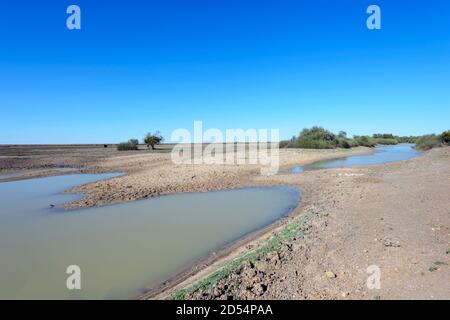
[(445, 137), (286, 144), (383, 136), (385, 141), (316, 138), (343, 143), (406, 139), (132, 144), (428, 142), (365, 141), (152, 139), (315, 144)]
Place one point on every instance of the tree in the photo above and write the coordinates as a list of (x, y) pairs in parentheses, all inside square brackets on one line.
[(445, 136), (153, 139), (132, 144), (316, 138)]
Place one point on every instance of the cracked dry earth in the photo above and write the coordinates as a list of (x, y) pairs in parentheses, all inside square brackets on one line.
[(395, 216)]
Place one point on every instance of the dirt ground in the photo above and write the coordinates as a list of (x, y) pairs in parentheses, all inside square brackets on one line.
[(393, 217)]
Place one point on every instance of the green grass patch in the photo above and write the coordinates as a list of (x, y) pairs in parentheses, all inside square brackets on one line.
[(432, 268), (296, 229)]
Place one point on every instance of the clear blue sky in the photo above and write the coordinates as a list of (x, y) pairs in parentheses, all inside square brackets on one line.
[(138, 66)]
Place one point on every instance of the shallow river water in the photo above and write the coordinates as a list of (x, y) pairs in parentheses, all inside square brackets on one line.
[(384, 154), (120, 248)]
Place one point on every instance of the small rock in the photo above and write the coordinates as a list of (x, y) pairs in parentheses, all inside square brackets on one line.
[(259, 289), (261, 266), (330, 274), (391, 243)]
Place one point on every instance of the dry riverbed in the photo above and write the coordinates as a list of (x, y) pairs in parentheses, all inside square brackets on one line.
[(147, 174), (395, 216)]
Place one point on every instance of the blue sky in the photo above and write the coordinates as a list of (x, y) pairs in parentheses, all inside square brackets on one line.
[(138, 66)]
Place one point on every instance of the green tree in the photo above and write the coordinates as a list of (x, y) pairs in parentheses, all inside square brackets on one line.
[(316, 138), (153, 139), (132, 144), (445, 137)]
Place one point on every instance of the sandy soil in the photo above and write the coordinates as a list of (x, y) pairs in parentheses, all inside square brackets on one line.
[(395, 217)]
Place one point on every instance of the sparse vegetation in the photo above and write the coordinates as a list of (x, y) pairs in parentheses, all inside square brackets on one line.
[(320, 138), (445, 137), (131, 144), (292, 230), (428, 142), (153, 139), (433, 268), (365, 141)]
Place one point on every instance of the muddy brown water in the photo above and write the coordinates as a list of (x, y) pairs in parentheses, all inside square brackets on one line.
[(121, 248)]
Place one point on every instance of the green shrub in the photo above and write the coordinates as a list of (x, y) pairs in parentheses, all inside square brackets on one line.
[(153, 139), (385, 141), (383, 136), (365, 141), (286, 144), (445, 137), (316, 138), (406, 139), (343, 143), (428, 142), (132, 144)]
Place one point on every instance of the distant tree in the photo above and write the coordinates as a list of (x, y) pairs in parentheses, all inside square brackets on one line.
[(445, 137), (427, 142), (365, 141), (383, 136), (129, 145), (153, 139), (316, 138), (342, 134)]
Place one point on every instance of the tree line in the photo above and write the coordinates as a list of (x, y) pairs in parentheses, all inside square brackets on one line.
[(320, 138)]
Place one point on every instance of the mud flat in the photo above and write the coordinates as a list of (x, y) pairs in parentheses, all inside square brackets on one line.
[(146, 173), (394, 217)]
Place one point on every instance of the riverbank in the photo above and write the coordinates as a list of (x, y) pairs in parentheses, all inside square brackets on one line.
[(146, 173), (394, 217), (329, 198)]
